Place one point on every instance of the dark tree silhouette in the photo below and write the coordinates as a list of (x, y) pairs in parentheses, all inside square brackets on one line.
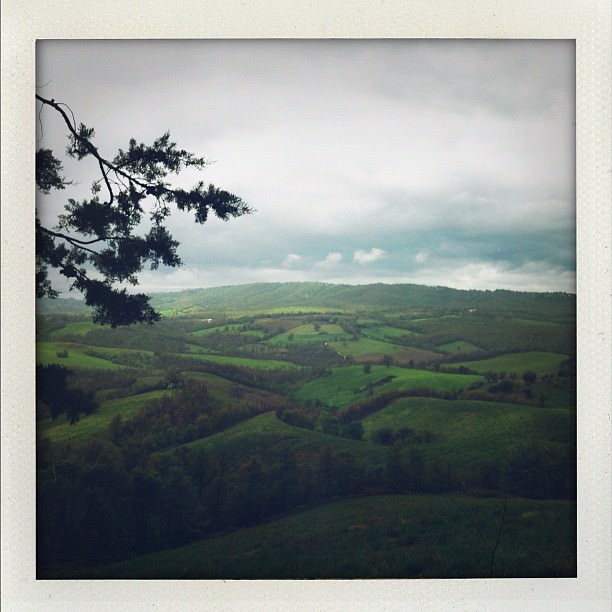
[(53, 391), (95, 243)]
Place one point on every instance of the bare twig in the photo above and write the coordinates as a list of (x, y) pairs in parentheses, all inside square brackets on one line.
[(499, 532)]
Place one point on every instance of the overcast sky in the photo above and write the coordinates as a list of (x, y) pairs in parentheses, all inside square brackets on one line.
[(433, 162)]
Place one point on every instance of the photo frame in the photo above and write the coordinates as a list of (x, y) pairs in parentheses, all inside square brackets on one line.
[(589, 25)]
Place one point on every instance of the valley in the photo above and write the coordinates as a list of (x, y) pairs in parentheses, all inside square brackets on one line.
[(309, 430)]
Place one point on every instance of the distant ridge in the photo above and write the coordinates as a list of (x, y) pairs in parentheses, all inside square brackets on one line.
[(379, 295), (256, 296)]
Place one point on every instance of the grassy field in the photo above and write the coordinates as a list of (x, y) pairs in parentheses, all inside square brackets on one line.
[(470, 433), (367, 349), (365, 346), (309, 333), (86, 356), (79, 328), (234, 328), (387, 332), (409, 536), (47, 353), (458, 346), (349, 384), (96, 424), (246, 362), (537, 361), (270, 438)]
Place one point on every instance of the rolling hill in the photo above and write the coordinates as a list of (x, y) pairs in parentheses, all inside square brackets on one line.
[(324, 295)]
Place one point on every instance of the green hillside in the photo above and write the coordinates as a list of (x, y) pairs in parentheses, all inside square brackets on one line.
[(536, 361), (387, 296), (410, 536), (307, 297), (347, 385)]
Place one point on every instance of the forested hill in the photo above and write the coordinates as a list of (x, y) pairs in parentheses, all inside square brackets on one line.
[(400, 296), (258, 296)]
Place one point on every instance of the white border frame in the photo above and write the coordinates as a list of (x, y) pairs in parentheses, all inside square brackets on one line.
[(589, 22)]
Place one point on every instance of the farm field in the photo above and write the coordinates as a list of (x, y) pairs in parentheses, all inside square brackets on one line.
[(80, 329), (264, 364), (318, 431), (367, 349), (309, 332), (71, 355), (537, 361), (458, 346), (387, 332), (235, 328), (348, 384)]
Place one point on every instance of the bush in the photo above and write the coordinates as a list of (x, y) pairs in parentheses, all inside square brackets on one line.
[(529, 377), (505, 386)]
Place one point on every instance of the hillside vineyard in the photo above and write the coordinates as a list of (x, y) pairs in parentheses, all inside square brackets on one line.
[(309, 430)]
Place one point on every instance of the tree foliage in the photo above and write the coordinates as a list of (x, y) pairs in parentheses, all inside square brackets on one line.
[(99, 243), (53, 392)]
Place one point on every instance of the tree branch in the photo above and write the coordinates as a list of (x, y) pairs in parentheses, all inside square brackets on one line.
[(80, 244), (90, 147)]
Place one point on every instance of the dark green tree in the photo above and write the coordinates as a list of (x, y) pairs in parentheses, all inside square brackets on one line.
[(353, 430), (53, 391), (529, 377), (99, 243)]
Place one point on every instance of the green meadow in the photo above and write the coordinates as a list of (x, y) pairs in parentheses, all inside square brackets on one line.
[(247, 362), (71, 355), (236, 328), (79, 328), (387, 332), (347, 385), (96, 425), (539, 362), (471, 433), (458, 346), (271, 439), (309, 332), (366, 346)]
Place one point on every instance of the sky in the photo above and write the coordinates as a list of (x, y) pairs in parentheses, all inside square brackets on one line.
[(435, 162)]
